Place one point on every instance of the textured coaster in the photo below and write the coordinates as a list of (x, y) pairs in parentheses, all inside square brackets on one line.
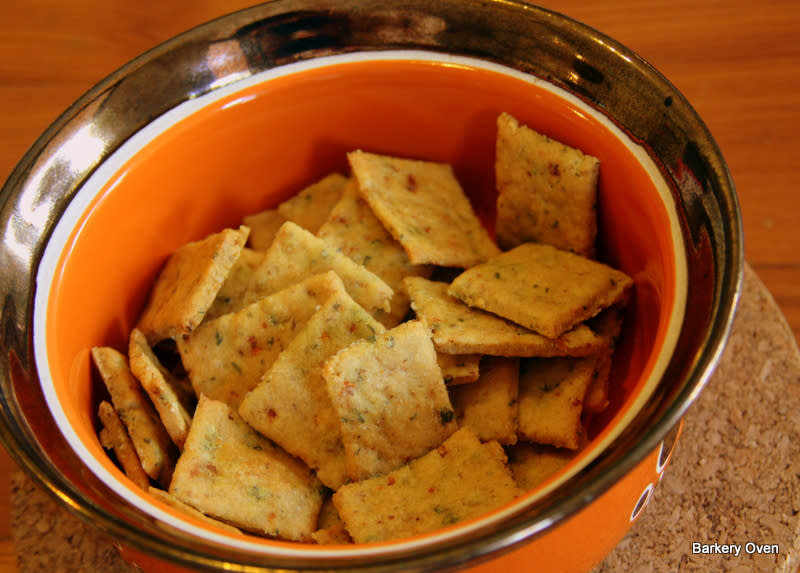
[(734, 479)]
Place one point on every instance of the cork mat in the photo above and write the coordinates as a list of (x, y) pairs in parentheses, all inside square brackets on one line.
[(734, 479)]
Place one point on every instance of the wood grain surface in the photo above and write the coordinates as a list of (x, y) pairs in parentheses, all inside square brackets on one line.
[(736, 61)]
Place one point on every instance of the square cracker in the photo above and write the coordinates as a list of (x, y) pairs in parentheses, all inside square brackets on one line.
[(148, 436), (291, 405), (188, 284), (354, 229), (312, 205), (551, 393), (547, 191), (230, 472), (263, 227), (489, 406), (167, 394), (542, 288), (296, 254), (461, 479), (391, 399), (423, 206), (226, 357), (459, 329), (115, 437)]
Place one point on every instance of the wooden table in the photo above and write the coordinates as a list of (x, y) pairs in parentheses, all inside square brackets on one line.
[(736, 61)]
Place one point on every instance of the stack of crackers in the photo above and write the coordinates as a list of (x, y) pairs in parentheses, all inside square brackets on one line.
[(317, 375)]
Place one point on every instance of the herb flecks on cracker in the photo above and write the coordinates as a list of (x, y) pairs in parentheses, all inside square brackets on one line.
[(459, 329), (423, 206), (542, 288), (458, 480), (391, 399), (188, 284), (547, 191), (291, 405), (230, 472)]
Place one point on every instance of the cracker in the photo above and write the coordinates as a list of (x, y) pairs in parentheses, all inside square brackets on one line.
[(296, 254), (115, 437), (166, 393), (330, 527), (489, 406), (230, 472), (263, 227), (168, 499), (188, 284), (547, 191), (391, 399), (551, 392), (542, 288), (291, 405), (150, 440), (459, 368), (607, 324), (532, 464), (311, 206), (231, 295), (226, 357), (354, 229), (458, 329), (423, 206), (459, 480)]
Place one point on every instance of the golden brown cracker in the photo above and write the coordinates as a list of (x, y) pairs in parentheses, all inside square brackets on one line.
[(330, 527), (311, 206), (150, 440), (231, 295), (459, 329), (226, 357), (391, 399), (607, 324), (532, 464), (460, 479), (263, 227), (168, 499), (188, 284), (459, 368), (423, 206), (291, 405), (354, 229), (489, 407), (542, 288), (547, 191), (166, 393), (551, 393), (115, 437), (230, 472), (296, 254)]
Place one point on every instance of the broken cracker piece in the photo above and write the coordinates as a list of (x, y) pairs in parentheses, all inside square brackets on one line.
[(423, 206), (532, 464), (263, 227), (547, 191), (391, 399), (542, 288), (459, 368), (188, 284), (310, 207)]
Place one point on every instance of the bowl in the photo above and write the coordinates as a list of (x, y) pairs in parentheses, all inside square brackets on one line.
[(234, 116)]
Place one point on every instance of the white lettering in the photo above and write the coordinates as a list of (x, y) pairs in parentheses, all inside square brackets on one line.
[(768, 549), (717, 548)]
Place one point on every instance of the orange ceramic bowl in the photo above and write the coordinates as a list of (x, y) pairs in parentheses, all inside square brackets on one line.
[(267, 100)]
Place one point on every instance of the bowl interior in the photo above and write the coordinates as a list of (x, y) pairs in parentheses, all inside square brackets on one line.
[(255, 143)]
